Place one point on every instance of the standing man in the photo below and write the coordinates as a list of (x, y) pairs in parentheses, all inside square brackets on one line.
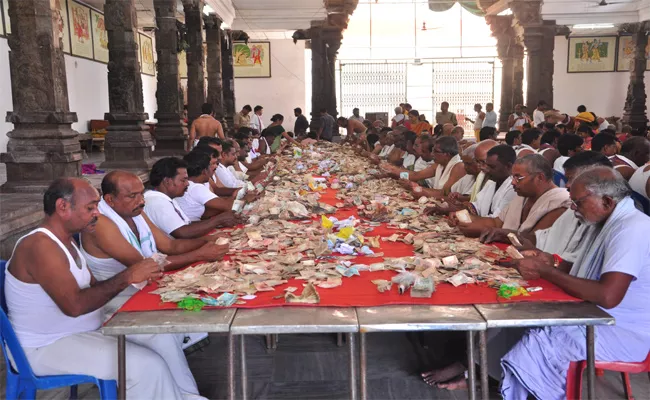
[(478, 122), (399, 119), (256, 119), (355, 115), (243, 118), (301, 125), (327, 123), (538, 114), (355, 129), (491, 116), (518, 119), (205, 125), (444, 116)]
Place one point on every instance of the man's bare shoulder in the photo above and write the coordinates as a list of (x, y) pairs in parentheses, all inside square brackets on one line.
[(36, 250)]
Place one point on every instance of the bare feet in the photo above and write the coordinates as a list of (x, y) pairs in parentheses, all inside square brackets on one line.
[(458, 383), (443, 374)]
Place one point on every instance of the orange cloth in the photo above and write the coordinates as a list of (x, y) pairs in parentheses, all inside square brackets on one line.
[(421, 127)]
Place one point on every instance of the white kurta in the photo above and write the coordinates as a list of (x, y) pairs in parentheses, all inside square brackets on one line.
[(464, 185), (491, 200)]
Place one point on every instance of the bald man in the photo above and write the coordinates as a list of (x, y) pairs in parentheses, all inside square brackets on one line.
[(124, 235), (447, 129), (55, 304), (355, 129)]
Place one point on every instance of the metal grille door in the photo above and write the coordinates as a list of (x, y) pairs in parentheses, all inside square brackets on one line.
[(463, 84), (372, 87)]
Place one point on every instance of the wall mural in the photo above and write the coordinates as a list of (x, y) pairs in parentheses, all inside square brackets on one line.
[(60, 14), (626, 45), (100, 36), (81, 38), (592, 54), (252, 60), (146, 55), (5, 13)]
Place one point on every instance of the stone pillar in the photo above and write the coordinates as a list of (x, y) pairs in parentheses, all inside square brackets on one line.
[(325, 43), (42, 146), (195, 58), (171, 134), (128, 142), (518, 73), (539, 38), (634, 113), (510, 53), (215, 80), (228, 78)]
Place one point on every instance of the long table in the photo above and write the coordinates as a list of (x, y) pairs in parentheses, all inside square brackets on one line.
[(351, 320)]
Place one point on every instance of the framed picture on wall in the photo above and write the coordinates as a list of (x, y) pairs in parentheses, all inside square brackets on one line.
[(100, 36), (252, 60), (592, 54), (62, 23), (5, 17), (182, 65), (146, 55), (626, 45), (81, 35)]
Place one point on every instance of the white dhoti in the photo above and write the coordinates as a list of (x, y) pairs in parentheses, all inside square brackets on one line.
[(156, 367)]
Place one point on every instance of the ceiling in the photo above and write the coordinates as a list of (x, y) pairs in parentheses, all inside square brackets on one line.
[(572, 12), (271, 15)]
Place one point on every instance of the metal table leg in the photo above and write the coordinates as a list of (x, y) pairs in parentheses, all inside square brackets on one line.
[(591, 363), (269, 341), (274, 341), (121, 367), (244, 375), (231, 367), (482, 345), (339, 339), (471, 368), (363, 365), (353, 367)]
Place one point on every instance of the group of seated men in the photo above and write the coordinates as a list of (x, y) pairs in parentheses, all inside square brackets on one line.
[(587, 238)]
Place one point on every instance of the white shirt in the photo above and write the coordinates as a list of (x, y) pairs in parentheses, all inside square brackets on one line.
[(409, 160), (490, 200), (193, 201), (464, 185), (227, 178), (604, 125), (639, 179), (385, 151), (256, 122), (538, 117), (420, 164), (558, 165), (490, 119), (164, 211)]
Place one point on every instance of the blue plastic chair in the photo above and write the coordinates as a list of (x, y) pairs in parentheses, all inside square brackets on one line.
[(641, 201), (559, 179), (22, 383)]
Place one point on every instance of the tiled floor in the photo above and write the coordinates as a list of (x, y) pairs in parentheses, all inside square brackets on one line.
[(313, 367)]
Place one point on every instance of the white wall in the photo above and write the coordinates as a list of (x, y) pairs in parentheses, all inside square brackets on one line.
[(87, 91), (601, 92), (284, 90)]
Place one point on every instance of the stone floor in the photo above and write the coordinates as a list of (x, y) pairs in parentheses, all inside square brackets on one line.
[(313, 367)]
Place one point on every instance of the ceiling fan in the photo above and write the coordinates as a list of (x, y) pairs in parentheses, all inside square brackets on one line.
[(604, 3)]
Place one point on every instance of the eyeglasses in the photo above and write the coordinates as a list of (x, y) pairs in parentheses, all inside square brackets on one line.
[(481, 162), (517, 179), (578, 202)]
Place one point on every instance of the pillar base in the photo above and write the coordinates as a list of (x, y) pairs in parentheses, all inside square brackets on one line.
[(171, 136), (128, 142)]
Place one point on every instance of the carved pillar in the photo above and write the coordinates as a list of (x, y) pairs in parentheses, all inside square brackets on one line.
[(42, 146), (128, 142), (634, 113), (171, 133), (195, 58), (539, 38), (510, 54), (518, 74), (215, 82), (228, 77), (325, 43)]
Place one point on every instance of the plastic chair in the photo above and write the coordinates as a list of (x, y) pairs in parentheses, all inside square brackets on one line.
[(559, 179), (640, 200), (21, 381), (576, 369)]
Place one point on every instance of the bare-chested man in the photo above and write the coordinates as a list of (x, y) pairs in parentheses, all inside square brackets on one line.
[(205, 125), (355, 130), (55, 304)]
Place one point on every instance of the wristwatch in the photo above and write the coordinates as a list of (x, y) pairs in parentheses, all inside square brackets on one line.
[(557, 260)]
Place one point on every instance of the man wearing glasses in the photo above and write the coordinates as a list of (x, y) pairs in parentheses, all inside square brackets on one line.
[(537, 205)]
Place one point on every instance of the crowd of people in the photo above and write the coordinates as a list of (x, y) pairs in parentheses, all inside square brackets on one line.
[(563, 188)]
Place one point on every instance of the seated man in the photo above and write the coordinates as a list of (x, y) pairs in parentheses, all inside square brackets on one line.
[(214, 184), (199, 202), (568, 235), (229, 158), (441, 176), (462, 189), (613, 271), (513, 139), (605, 143), (537, 205), (635, 152), (498, 192), (488, 133), (169, 179), (530, 142), (548, 145), (568, 145), (125, 235), (55, 304)]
